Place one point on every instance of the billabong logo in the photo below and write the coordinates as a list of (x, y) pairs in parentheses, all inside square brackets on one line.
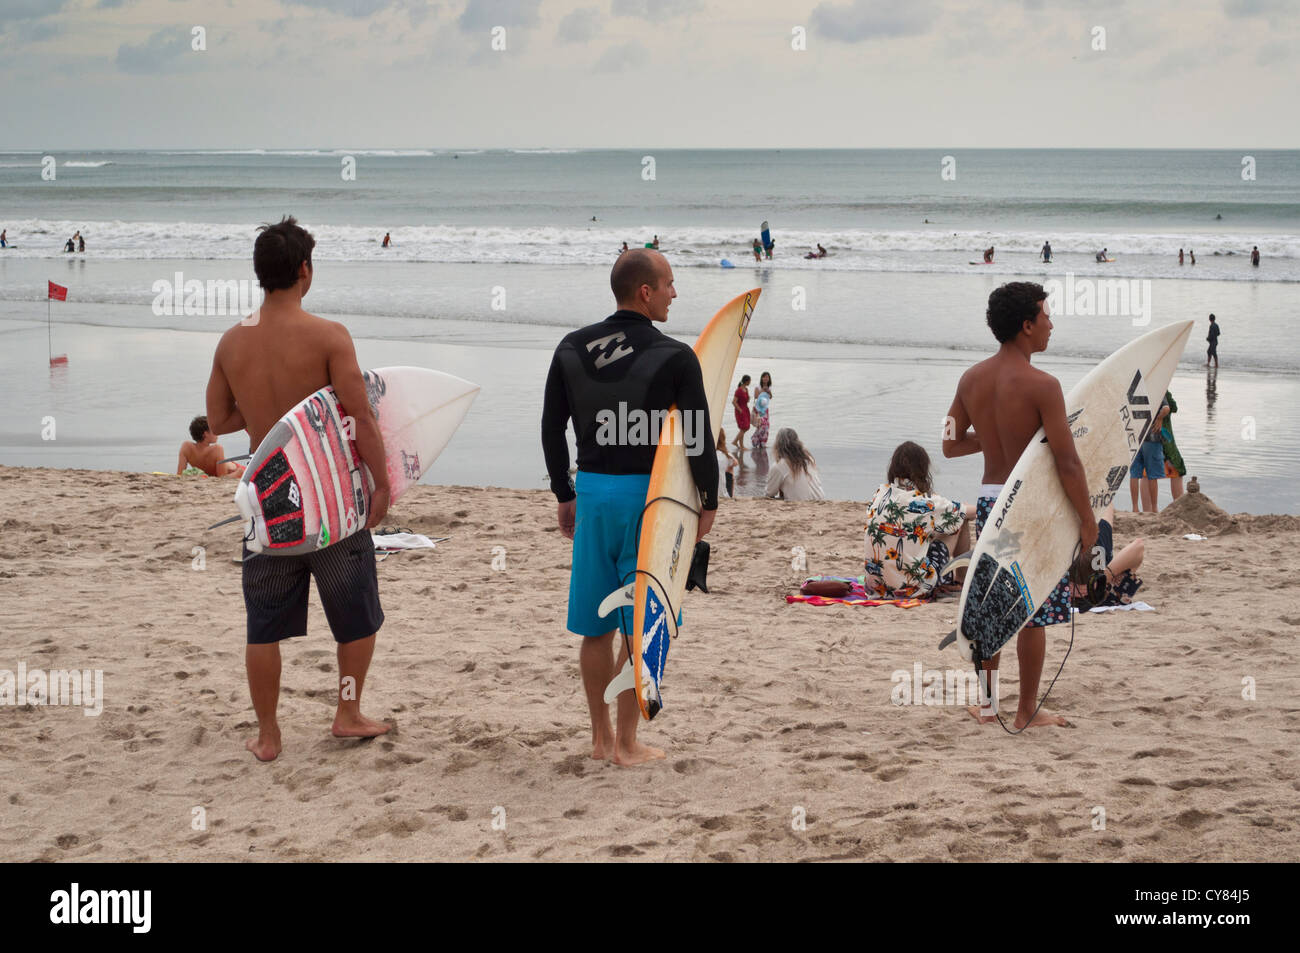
[(132, 907), (607, 357)]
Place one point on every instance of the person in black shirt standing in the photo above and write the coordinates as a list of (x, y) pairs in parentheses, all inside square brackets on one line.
[(1213, 338), (616, 380)]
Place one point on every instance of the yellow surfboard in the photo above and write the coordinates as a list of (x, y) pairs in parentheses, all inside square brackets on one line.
[(672, 517)]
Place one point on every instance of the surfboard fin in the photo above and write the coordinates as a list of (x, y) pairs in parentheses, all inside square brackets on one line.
[(623, 681), (953, 565), (618, 599), (964, 645), (948, 640)]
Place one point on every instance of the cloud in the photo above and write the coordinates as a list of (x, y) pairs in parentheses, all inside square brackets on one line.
[(618, 58), (167, 51), (12, 11), (579, 26), (485, 14), (347, 8), (1254, 8), (655, 9), (872, 19)]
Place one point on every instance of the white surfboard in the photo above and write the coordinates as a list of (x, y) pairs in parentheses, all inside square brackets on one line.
[(672, 517), (306, 487), (1032, 532)]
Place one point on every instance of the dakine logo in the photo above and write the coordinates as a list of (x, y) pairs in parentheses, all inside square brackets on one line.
[(1078, 431), (75, 906), (1011, 497), (605, 358)]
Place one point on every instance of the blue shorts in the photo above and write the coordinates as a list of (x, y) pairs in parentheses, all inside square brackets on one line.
[(605, 540), (1150, 457)]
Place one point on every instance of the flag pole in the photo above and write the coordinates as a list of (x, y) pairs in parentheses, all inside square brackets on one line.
[(49, 329)]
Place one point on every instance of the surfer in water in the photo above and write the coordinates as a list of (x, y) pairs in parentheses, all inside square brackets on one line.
[(388, 239), (1047, 251), (204, 454), (1006, 399), (263, 367), (627, 368)]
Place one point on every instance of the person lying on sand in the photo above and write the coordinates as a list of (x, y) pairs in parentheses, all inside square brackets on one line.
[(203, 454), (1006, 399)]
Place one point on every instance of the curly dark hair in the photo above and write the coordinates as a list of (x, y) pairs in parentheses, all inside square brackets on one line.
[(1011, 306)]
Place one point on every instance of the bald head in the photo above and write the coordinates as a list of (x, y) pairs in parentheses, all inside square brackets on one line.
[(634, 268)]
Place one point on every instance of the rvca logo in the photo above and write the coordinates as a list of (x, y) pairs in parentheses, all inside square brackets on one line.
[(607, 357)]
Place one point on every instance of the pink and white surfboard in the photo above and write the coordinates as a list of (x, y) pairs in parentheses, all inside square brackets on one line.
[(306, 486)]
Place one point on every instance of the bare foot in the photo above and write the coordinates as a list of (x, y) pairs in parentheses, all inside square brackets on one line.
[(983, 719), (602, 750), (1043, 719), (358, 726), (265, 747), (638, 754)]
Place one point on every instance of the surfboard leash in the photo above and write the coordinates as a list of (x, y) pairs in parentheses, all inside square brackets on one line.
[(978, 661)]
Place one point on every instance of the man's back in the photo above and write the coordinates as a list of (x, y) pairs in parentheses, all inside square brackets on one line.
[(1001, 396), (275, 363)]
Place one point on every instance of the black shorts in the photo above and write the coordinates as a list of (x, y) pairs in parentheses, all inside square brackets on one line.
[(275, 591)]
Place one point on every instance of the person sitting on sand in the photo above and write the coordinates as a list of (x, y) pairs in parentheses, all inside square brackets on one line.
[(1006, 399), (911, 531), (794, 473), (1117, 581), (204, 454), (251, 388)]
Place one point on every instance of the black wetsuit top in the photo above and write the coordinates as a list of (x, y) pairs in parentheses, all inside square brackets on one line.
[(624, 359)]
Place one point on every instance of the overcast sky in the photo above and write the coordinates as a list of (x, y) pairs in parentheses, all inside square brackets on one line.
[(106, 74)]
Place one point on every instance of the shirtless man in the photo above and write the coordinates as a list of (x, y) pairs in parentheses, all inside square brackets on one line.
[(263, 366), (204, 453), (1006, 399)]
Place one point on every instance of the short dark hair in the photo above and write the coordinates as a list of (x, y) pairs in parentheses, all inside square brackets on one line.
[(278, 253), (1011, 306), (910, 462), (1211, 317), (632, 269), (198, 427)]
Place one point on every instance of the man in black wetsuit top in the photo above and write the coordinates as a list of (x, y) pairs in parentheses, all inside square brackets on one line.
[(616, 379)]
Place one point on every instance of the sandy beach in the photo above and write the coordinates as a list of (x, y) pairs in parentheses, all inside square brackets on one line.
[(783, 742)]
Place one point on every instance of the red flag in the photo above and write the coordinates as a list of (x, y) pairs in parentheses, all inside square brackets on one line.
[(58, 292)]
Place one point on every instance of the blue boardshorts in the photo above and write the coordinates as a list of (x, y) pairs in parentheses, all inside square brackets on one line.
[(1056, 608), (1151, 458), (605, 535)]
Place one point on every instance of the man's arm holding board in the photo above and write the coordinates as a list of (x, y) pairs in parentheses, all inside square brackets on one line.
[(1051, 408), (350, 390)]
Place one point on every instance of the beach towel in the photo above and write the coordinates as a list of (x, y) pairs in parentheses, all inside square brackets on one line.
[(857, 595)]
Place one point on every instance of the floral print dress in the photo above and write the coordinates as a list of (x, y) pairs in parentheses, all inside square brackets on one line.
[(904, 554)]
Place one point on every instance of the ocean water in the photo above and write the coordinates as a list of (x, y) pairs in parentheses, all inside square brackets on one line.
[(495, 256)]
